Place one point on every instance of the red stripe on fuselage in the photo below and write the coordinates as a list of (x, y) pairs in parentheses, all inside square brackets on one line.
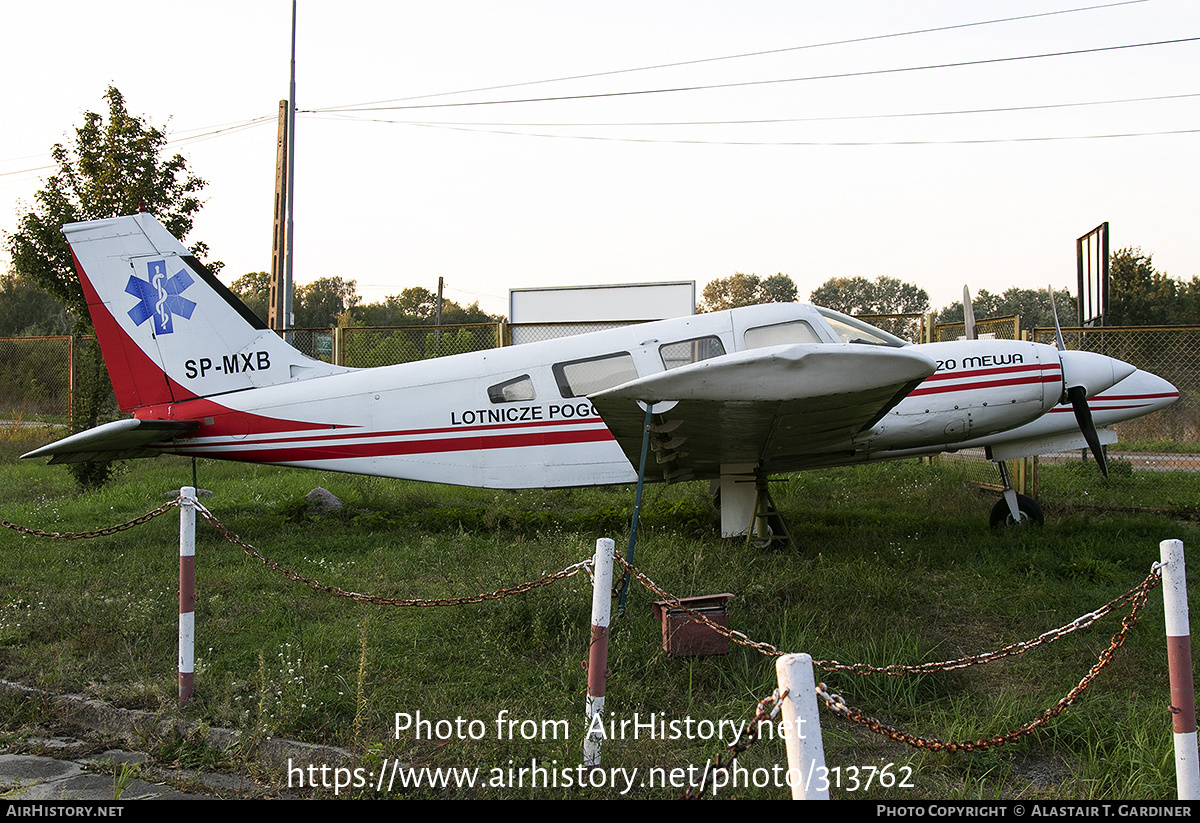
[(324, 433), (955, 375), (393, 447), (993, 378), (229, 422)]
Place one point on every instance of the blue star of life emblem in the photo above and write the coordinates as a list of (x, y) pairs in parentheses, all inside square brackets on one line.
[(159, 297)]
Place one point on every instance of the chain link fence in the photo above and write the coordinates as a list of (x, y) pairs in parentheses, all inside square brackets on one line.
[(1163, 449), (997, 328), (365, 347), (519, 333), (37, 378), (910, 327), (1158, 453)]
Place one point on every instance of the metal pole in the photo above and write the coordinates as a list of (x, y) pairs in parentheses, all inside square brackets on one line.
[(187, 591), (637, 506), (598, 651), (1179, 663), (802, 728), (291, 183)]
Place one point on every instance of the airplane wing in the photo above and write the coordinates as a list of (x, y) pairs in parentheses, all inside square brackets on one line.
[(118, 440), (779, 407)]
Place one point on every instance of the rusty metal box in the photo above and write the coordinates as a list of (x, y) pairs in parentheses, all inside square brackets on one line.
[(684, 636)]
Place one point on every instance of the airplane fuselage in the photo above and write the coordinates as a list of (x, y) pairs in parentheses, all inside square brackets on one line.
[(733, 395), (445, 420)]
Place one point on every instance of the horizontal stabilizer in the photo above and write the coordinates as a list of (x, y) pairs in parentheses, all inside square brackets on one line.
[(119, 440)]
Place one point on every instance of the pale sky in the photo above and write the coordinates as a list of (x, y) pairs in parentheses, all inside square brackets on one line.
[(644, 187)]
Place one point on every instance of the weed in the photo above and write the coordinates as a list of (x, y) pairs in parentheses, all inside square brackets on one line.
[(894, 565), (126, 774)]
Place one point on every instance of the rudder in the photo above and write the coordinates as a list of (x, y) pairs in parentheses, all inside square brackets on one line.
[(168, 329)]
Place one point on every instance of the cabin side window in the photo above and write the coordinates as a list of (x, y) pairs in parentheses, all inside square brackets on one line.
[(579, 378), (781, 334), (512, 391), (686, 352)]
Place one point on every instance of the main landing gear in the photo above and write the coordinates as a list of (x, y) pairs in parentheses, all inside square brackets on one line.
[(767, 529), (747, 510), (1014, 509)]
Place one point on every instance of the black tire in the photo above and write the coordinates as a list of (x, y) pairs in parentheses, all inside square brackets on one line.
[(777, 534), (1031, 513)]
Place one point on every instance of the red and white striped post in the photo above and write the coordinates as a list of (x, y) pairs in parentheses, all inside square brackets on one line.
[(806, 773), (187, 590), (597, 665), (1179, 663)]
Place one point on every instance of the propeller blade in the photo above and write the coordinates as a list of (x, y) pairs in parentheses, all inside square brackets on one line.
[(1083, 415), (1057, 328), (968, 315)]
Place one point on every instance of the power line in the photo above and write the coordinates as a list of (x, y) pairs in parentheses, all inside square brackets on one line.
[(813, 142), (776, 120), (743, 84), (203, 133), (850, 41)]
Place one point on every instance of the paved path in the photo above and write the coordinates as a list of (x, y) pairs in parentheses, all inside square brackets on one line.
[(113, 775)]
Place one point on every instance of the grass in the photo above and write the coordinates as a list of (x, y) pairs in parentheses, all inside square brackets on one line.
[(895, 566)]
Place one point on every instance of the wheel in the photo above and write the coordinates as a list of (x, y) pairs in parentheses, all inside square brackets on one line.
[(778, 535), (1031, 513)]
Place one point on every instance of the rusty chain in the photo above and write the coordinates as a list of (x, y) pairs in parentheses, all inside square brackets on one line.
[(673, 602), (838, 705), (137, 521), (379, 600), (767, 709), (1137, 594), (1137, 597), (1139, 591)]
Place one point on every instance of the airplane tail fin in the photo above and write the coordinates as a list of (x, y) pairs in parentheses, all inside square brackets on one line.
[(168, 329)]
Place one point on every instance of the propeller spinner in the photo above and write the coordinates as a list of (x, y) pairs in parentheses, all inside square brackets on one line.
[(1084, 375)]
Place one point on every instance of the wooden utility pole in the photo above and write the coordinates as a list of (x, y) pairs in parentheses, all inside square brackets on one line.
[(437, 321), (276, 312)]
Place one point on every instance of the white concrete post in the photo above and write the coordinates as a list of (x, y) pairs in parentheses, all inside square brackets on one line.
[(602, 576), (1179, 663), (802, 728), (187, 594)]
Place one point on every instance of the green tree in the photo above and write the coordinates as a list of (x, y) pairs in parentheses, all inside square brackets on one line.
[(113, 166), (1137, 294), (1031, 305), (883, 295), (254, 289), (318, 304), (27, 311), (746, 290), (417, 306)]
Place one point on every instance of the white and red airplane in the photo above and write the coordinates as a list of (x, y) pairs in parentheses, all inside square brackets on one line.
[(733, 396)]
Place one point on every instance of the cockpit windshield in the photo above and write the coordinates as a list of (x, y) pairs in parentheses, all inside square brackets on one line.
[(852, 330)]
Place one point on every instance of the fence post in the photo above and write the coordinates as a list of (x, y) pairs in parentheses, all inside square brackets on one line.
[(802, 728), (187, 586), (71, 380), (597, 665), (337, 352), (1179, 663)]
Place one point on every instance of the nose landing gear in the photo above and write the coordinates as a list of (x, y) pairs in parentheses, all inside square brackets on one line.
[(1014, 509)]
